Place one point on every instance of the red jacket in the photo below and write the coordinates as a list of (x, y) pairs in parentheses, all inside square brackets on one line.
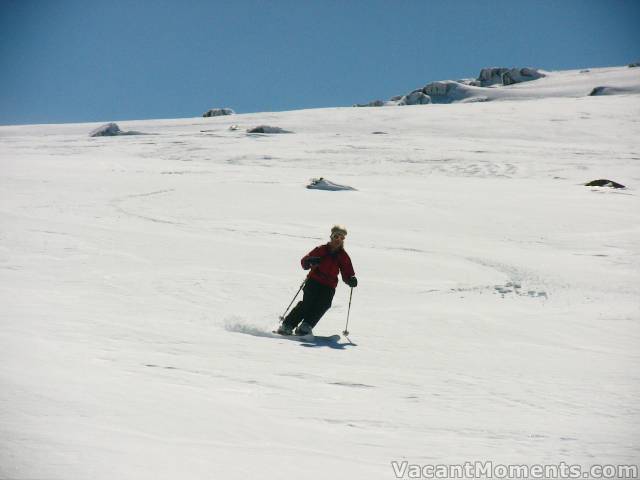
[(331, 262)]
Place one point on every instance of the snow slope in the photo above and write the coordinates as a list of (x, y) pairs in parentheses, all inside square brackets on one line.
[(565, 83), (496, 318)]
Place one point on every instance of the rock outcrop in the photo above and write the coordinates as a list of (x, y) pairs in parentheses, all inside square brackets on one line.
[(267, 129), (606, 90), (218, 112), (324, 184), (491, 76), (417, 97), (449, 91), (106, 130), (604, 183), (111, 130), (507, 76), (375, 103)]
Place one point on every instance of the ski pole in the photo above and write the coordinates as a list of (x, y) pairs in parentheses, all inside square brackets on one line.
[(294, 299), (346, 331)]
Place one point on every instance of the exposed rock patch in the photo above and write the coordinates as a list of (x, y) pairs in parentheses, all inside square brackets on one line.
[(218, 112), (606, 90), (604, 183), (324, 184), (417, 97), (375, 103), (507, 76), (449, 91), (267, 129), (111, 130)]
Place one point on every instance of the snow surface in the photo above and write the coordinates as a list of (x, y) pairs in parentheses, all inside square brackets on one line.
[(496, 318)]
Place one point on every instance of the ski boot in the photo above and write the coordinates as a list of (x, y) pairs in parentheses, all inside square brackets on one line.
[(284, 330), (304, 329)]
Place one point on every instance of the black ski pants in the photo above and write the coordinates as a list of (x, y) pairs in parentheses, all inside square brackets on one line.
[(315, 302)]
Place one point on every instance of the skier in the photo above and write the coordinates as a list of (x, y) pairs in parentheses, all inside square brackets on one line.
[(324, 262)]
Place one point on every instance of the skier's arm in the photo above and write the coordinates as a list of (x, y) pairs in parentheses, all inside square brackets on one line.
[(346, 270), (310, 259)]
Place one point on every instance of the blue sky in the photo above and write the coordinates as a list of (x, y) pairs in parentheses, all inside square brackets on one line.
[(81, 61)]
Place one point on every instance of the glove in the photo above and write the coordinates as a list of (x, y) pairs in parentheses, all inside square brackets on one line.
[(311, 261), (352, 282)]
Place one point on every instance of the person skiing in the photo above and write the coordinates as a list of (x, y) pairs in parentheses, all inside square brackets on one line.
[(324, 261)]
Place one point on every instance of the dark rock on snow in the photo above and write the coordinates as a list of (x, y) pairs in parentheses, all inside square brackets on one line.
[(604, 183), (507, 76), (417, 97), (106, 130), (267, 129), (218, 112), (375, 103), (605, 90)]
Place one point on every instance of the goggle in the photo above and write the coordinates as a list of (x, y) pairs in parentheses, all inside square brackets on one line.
[(337, 235)]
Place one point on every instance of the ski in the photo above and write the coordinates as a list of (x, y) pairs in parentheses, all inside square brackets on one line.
[(310, 338)]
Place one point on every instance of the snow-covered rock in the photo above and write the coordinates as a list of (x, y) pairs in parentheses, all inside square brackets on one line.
[(474, 82), (519, 75), (106, 130), (324, 184), (450, 91), (111, 130), (417, 97), (498, 84), (447, 91), (507, 76), (491, 76), (440, 89), (267, 129), (218, 112), (375, 103)]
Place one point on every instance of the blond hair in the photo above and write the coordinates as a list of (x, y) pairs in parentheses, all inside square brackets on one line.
[(341, 229)]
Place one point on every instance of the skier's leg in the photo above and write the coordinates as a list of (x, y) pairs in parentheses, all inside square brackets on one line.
[(300, 311), (322, 303), (295, 316)]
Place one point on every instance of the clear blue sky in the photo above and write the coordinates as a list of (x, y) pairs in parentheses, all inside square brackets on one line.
[(79, 61)]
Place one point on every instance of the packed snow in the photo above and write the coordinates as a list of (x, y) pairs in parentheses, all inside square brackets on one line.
[(497, 315)]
